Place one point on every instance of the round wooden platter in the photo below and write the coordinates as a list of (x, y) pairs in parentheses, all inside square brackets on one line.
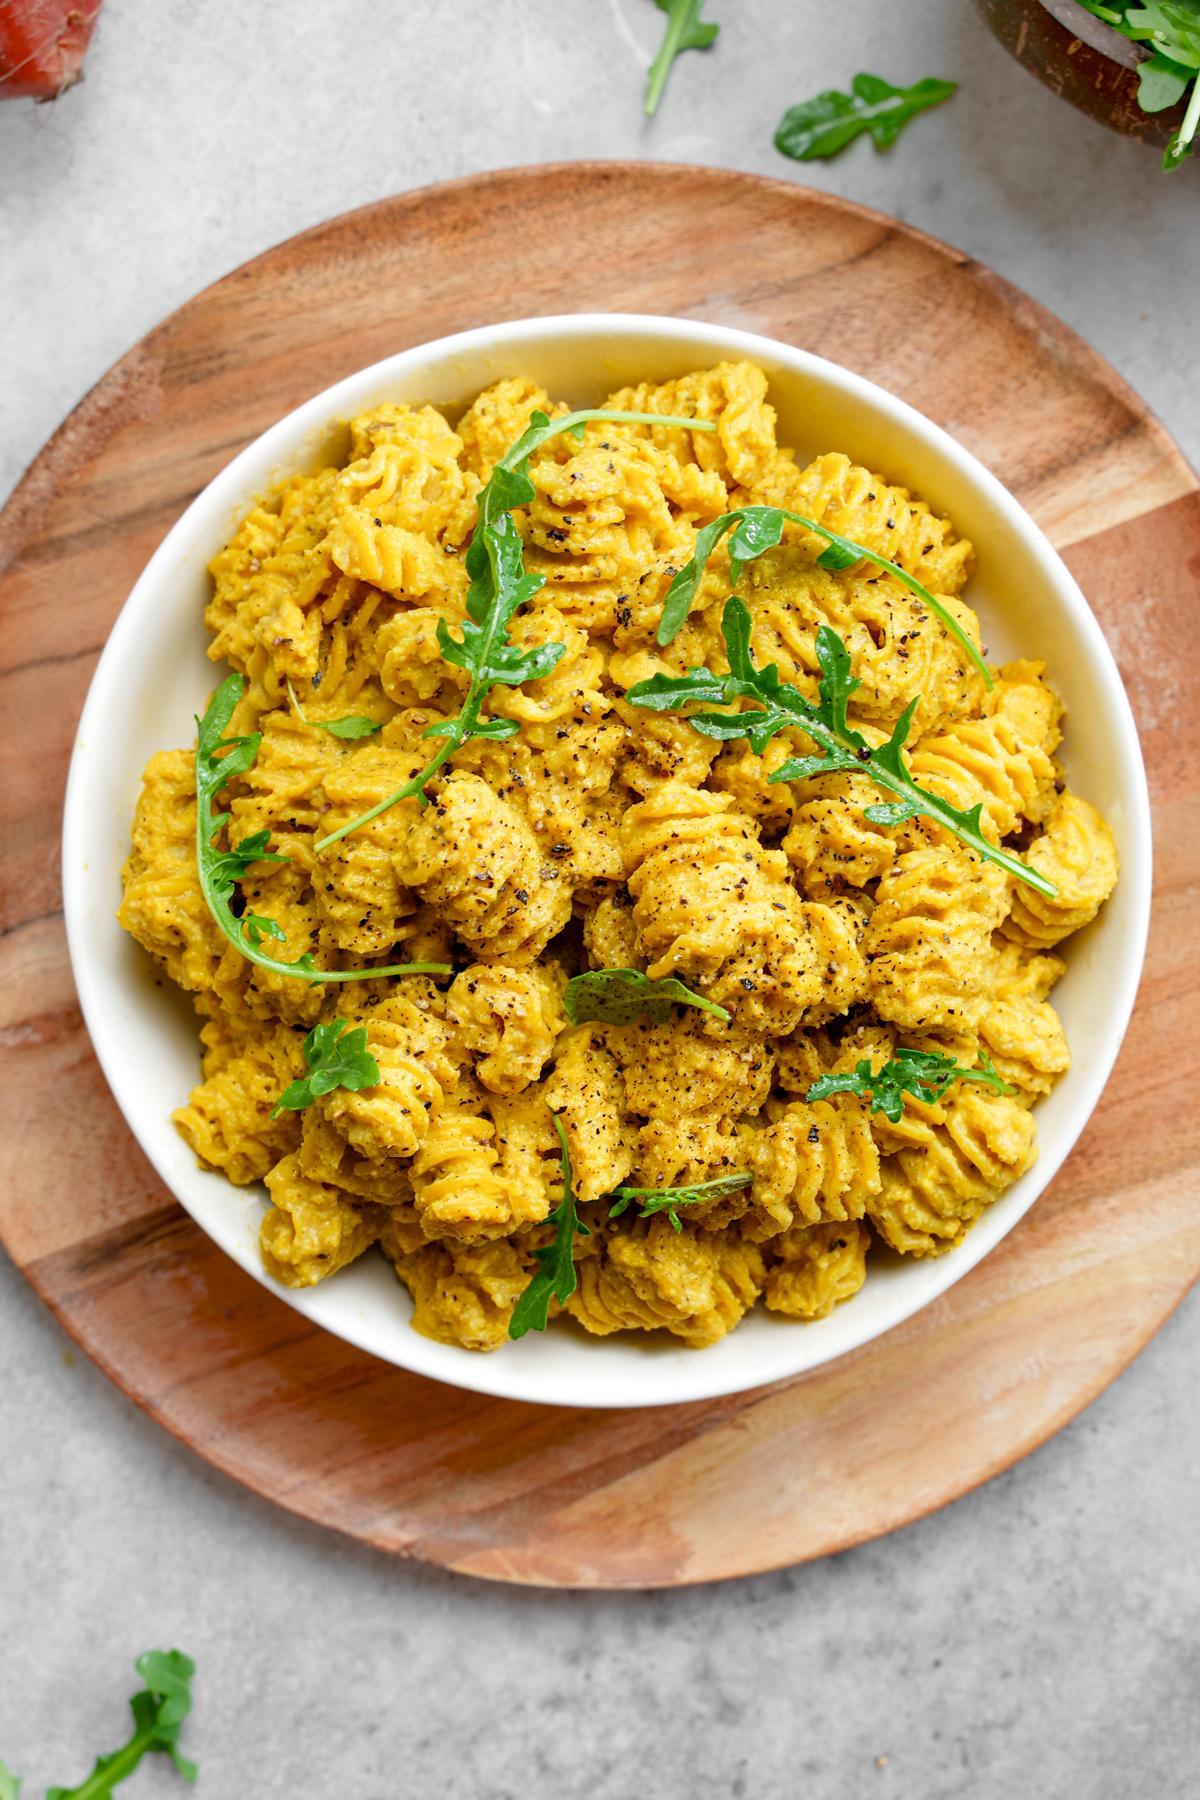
[(541, 1495)]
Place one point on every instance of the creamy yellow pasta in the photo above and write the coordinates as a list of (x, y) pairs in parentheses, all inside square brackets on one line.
[(603, 835)]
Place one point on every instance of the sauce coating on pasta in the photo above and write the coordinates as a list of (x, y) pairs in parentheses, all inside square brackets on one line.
[(601, 835)]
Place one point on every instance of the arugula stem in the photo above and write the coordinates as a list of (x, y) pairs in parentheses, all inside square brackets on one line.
[(121, 1763), (660, 68), (159, 1711), (218, 881), (679, 594), (414, 787), (323, 975), (588, 415), (656, 1200), (921, 591), (783, 707), (495, 502), (1180, 145), (902, 786)]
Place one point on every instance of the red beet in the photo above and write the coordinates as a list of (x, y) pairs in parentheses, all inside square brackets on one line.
[(42, 46)]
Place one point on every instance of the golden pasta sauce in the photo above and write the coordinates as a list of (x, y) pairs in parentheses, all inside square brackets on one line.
[(602, 835)]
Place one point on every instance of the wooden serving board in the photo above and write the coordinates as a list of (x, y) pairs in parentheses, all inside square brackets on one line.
[(535, 1494)]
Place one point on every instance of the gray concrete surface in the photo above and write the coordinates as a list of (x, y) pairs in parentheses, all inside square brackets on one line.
[(1039, 1639)]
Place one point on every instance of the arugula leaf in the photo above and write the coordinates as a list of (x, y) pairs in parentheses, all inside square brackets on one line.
[(823, 126), (10, 1786), (619, 996), (353, 726), (783, 707), (555, 1276), (159, 1710), (926, 1074), (1171, 28), (656, 1200), (333, 1061), (760, 528), (685, 31), (218, 760), (1161, 83), (500, 585)]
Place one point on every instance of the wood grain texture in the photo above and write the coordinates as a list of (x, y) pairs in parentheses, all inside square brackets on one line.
[(491, 1487)]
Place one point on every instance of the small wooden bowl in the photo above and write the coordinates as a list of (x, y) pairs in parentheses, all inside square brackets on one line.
[(1077, 56)]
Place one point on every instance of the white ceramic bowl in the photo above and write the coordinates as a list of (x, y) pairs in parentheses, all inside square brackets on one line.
[(154, 676)]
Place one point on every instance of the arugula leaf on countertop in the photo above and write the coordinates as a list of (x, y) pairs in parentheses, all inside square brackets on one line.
[(840, 747), (159, 1710), (686, 30), (824, 125), (500, 585), (656, 1200), (619, 996), (333, 1061), (756, 529), (10, 1785), (925, 1074)]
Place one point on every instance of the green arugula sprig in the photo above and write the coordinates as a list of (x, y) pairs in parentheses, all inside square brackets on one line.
[(500, 585), (218, 760), (1171, 29), (685, 30), (656, 1200), (353, 726), (925, 1074), (619, 996), (555, 1277), (334, 1061), (821, 127), (159, 1710), (783, 707), (755, 529)]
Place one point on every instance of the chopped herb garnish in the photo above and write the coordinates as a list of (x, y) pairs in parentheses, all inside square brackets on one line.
[(686, 30), (159, 1711), (218, 760), (500, 585), (555, 1276), (353, 726), (756, 529), (823, 126), (656, 1200), (782, 707), (334, 1061), (925, 1074), (619, 996)]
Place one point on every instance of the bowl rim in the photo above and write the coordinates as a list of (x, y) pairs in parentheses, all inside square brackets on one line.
[(229, 492)]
